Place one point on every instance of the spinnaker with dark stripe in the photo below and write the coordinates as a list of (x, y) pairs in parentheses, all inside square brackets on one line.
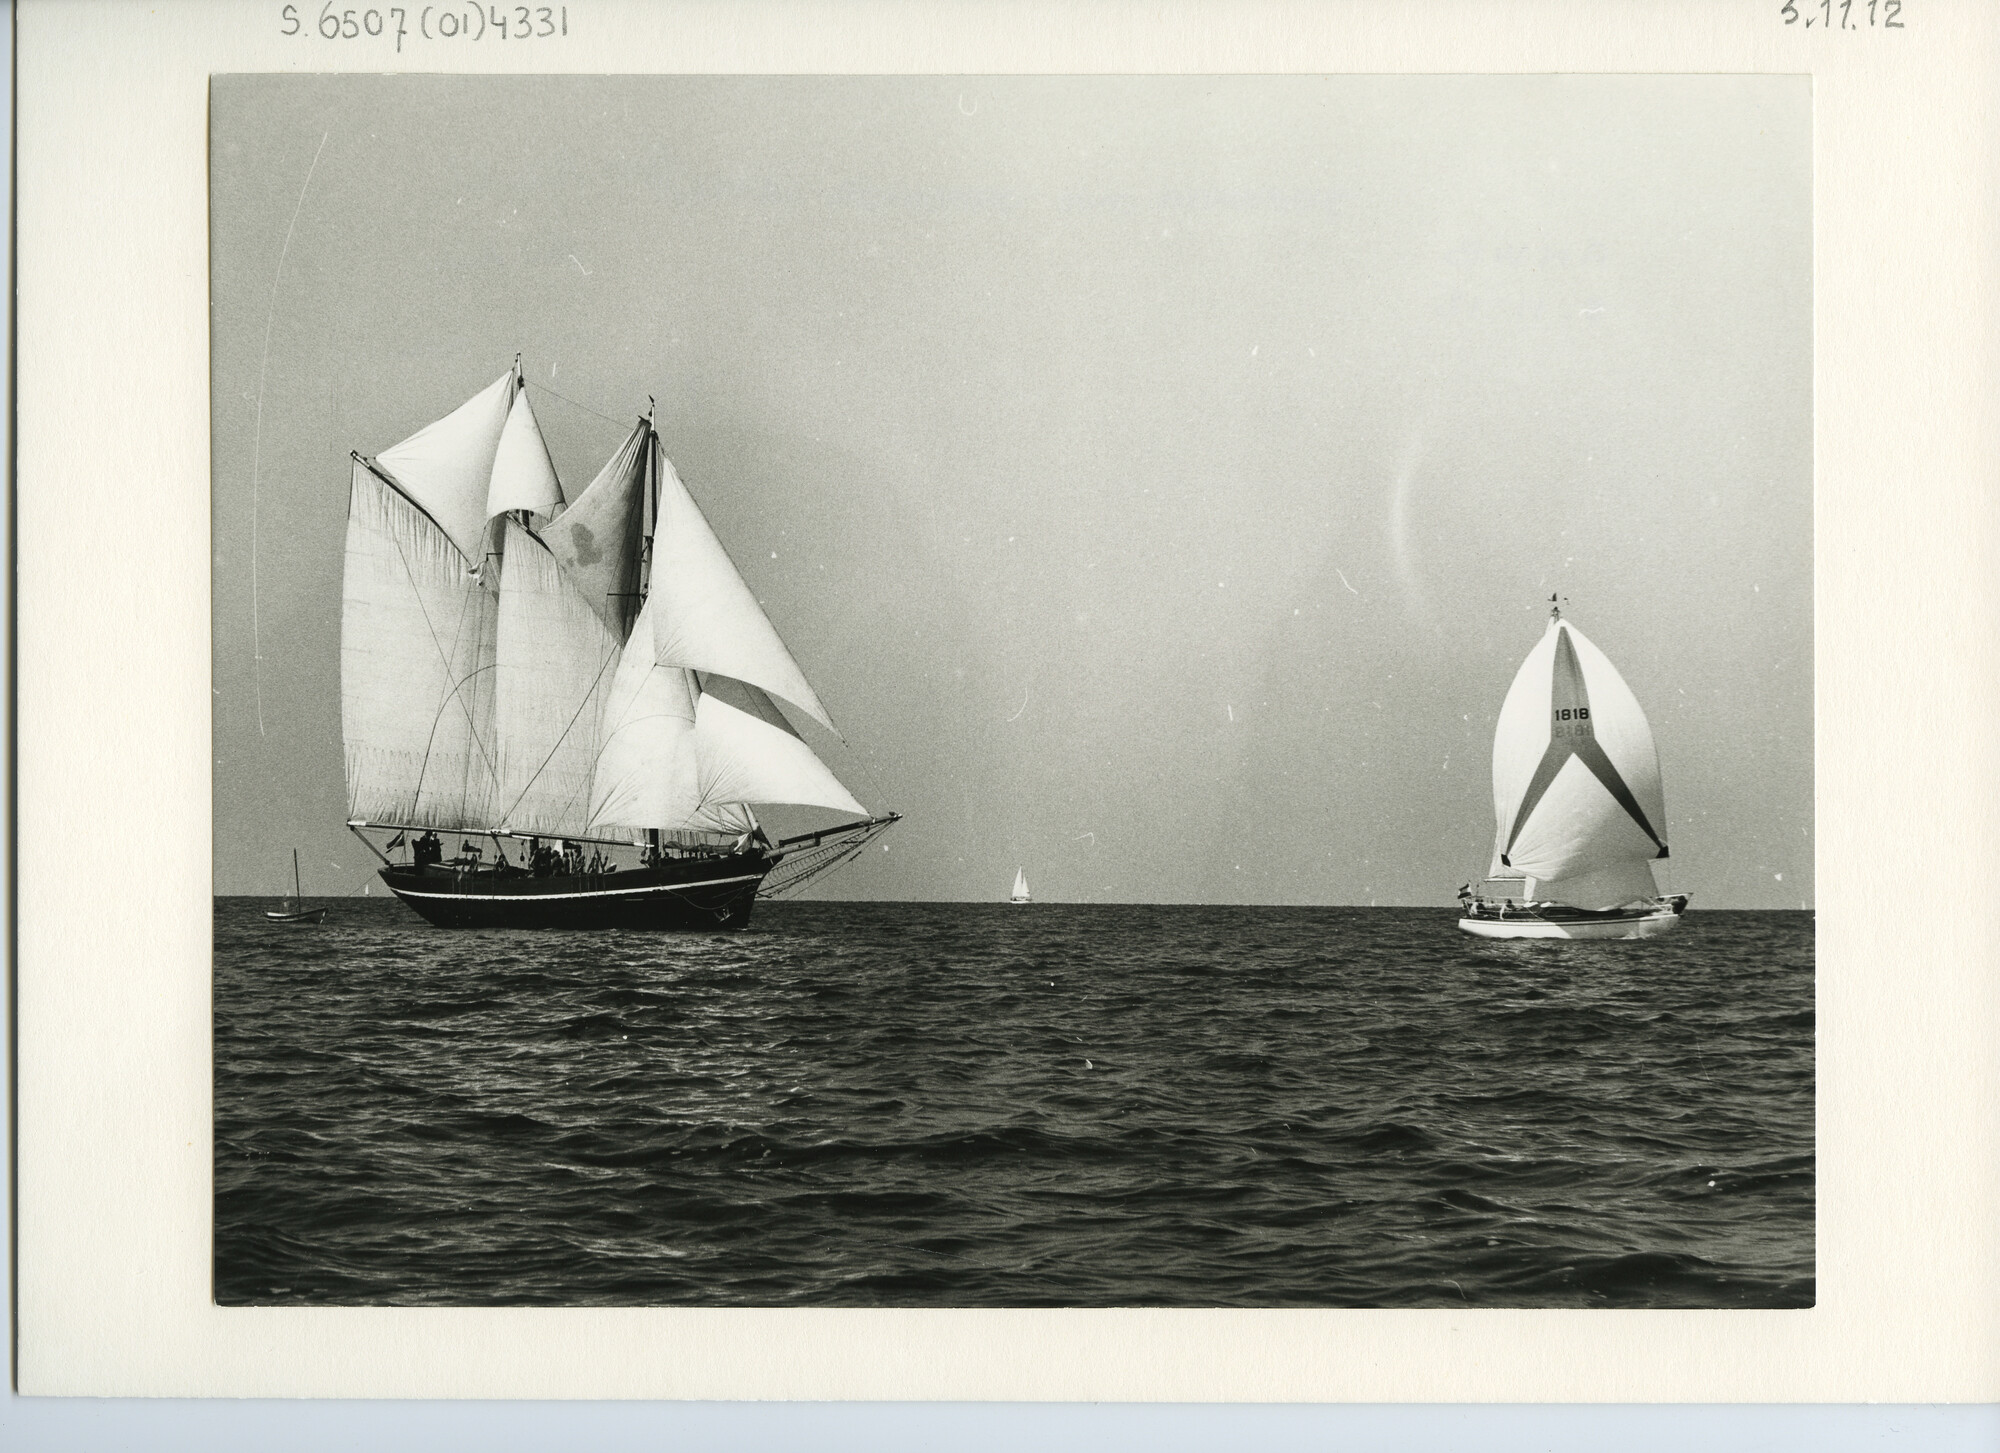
[(1580, 816)]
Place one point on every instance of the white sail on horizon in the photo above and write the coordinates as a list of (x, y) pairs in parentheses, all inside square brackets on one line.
[(1577, 799)]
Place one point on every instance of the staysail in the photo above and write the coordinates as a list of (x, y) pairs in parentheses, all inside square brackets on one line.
[(1576, 779), (709, 620)]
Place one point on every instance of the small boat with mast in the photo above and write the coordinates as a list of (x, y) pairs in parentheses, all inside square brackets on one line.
[(1020, 894), (586, 686), (1581, 813), (293, 909)]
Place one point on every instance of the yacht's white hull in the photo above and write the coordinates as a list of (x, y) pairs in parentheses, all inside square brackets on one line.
[(1528, 924)]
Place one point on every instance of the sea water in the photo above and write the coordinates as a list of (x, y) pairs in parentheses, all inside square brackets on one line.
[(959, 1105)]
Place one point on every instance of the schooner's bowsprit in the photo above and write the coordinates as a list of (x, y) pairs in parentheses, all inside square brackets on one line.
[(1581, 813), (579, 694)]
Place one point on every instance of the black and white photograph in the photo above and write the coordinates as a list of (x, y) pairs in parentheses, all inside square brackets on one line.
[(980, 691)]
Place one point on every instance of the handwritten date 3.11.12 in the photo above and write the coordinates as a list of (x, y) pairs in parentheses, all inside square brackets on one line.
[(1844, 14), (426, 22)]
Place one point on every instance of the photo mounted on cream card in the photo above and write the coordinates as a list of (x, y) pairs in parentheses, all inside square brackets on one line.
[(1002, 692)]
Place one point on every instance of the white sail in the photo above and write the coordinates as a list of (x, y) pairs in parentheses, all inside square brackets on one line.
[(708, 620), (555, 660), (416, 659), (596, 539), (748, 752), (524, 478), (647, 775), (1020, 894), (1576, 779), (447, 467)]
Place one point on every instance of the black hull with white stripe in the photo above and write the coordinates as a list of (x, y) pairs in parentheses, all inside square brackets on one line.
[(715, 892)]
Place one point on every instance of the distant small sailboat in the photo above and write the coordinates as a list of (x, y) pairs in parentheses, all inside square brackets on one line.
[(1581, 814), (1020, 894), (294, 909)]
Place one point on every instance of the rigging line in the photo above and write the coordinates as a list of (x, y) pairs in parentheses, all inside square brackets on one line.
[(257, 440), (536, 383)]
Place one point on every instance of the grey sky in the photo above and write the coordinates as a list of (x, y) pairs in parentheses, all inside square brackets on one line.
[(1160, 478)]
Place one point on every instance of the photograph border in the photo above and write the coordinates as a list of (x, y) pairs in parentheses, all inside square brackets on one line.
[(113, 1091)]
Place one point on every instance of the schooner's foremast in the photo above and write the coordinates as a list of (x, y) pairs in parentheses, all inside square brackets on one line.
[(578, 683)]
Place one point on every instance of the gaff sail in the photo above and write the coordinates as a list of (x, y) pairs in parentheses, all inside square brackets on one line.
[(416, 667), (1577, 798)]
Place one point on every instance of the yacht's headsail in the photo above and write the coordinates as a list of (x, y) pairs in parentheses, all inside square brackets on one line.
[(1576, 779)]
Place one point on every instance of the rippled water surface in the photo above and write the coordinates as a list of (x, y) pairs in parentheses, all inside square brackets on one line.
[(979, 1105)]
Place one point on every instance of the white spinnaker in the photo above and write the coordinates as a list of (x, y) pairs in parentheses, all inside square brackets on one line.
[(748, 752), (1577, 798), (596, 539), (707, 618), (647, 775), (555, 664), (524, 477), (416, 668), (447, 467)]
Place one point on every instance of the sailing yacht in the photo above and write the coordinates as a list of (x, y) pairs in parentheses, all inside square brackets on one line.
[(1020, 894), (1581, 816), (293, 909), (582, 694)]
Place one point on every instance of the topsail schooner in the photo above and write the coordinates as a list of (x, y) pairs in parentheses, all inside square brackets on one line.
[(586, 686), (1576, 791)]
